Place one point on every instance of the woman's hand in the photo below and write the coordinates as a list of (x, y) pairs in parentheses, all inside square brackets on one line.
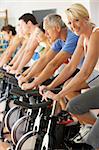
[(56, 97), (48, 94), (52, 96), (43, 89)]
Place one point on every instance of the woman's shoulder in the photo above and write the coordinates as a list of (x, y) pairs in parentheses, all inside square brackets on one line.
[(94, 39), (95, 33), (96, 29), (17, 37)]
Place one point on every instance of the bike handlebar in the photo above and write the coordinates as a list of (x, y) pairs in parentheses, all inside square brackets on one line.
[(34, 106)]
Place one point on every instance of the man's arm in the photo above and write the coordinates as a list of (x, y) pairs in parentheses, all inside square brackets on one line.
[(67, 50), (40, 64), (65, 74), (60, 58), (70, 68), (29, 51)]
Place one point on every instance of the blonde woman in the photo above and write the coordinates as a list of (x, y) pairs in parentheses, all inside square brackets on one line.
[(88, 46)]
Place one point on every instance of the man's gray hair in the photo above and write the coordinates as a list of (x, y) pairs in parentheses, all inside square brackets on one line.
[(53, 19)]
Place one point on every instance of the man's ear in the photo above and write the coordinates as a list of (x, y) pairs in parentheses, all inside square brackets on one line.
[(58, 28), (29, 22), (10, 33)]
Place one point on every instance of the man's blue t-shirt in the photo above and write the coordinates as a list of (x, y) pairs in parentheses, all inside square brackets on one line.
[(69, 45)]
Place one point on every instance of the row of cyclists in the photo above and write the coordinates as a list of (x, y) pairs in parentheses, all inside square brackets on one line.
[(71, 55)]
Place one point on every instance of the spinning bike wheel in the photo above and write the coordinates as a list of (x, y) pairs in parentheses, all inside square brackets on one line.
[(12, 116)]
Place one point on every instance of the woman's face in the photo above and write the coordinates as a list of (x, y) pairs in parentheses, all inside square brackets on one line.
[(7, 36), (77, 25)]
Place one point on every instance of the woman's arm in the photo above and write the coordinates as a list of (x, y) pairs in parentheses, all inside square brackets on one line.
[(16, 64), (6, 56), (90, 61), (18, 53)]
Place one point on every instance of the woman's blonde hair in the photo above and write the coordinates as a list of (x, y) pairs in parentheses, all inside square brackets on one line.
[(77, 11)]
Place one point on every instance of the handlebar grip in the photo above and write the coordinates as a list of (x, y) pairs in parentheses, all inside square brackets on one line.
[(34, 106), (18, 91)]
